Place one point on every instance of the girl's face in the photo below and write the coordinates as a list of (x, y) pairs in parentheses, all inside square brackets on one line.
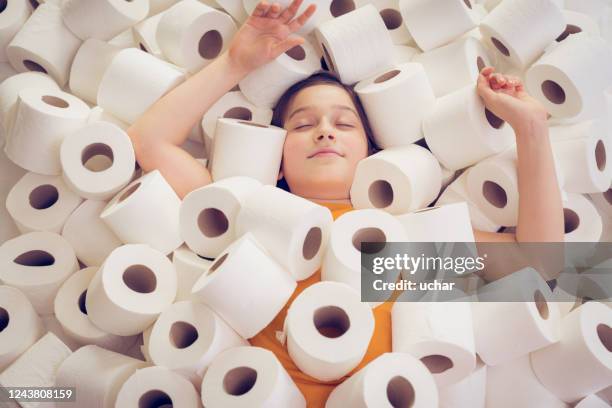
[(325, 141)]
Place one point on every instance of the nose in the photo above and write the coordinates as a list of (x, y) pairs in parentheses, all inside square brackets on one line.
[(324, 132), (325, 135)]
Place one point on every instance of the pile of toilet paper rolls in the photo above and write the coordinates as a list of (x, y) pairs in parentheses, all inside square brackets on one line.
[(111, 283)]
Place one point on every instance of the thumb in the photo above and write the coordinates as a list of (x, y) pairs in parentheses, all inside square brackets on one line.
[(286, 45), (484, 90)]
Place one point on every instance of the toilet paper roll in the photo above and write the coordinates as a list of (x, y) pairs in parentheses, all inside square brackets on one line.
[(238, 141), (157, 385), (52, 325), (439, 334), (460, 131), (189, 267), (578, 23), (125, 39), (493, 186), (569, 79), (592, 401), (232, 105), (394, 379), (88, 235), (249, 377), (192, 34), (397, 180), (133, 82), (97, 160), (97, 374), (320, 313), (130, 290), (389, 10), (581, 220), (603, 202), (14, 15), (396, 123), (145, 35), (467, 393), (9, 175), (457, 192), (102, 19), (454, 66), (41, 203), (208, 214), (37, 263), (403, 54), (430, 28), (97, 114), (504, 380), (44, 44), (20, 326), (71, 312), (235, 9), (580, 363), (265, 85), (326, 10), (37, 367), (356, 45), (582, 159), (446, 223), (505, 330), (519, 30), (187, 337), (264, 286), (88, 68), (342, 261), (295, 231), (146, 212), (43, 118)]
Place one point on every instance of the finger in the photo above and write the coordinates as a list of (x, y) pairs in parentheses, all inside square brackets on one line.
[(297, 23), (484, 90), (286, 45), (274, 11), (261, 9), (497, 81), (487, 71), (290, 11)]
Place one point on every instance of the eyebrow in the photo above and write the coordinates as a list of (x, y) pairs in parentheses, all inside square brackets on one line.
[(303, 108)]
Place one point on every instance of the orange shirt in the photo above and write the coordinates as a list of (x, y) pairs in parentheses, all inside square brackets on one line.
[(316, 392)]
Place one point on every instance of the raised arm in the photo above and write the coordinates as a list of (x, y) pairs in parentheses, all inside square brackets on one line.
[(159, 132)]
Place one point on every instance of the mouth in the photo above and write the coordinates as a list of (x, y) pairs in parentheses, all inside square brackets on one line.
[(325, 153)]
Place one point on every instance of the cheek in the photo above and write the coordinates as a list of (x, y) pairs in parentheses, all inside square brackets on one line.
[(357, 146)]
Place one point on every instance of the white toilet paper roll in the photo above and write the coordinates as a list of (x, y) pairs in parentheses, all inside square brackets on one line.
[(578, 23), (592, 401), (569, 79), (192, 34), (37, 263), (187, 337), (130, 290), (44, 117), (9, 175), (97, 160), (12, 18), (403, 54), (328, 330), (493, 186), (326, 10), (44, 44), (504, 380), (234, 8), (580, 363), (97, 374), (514, 317), (392, 379), (91, 239), (249, 377), (133, 82), (519, 30), (292, 229), (88, 68), (389, 10), (37, 367), (467, 393), (156, 386), (264, 86), (461, 131), (41, 203), (232, 105), (146, 212), (20, 326), (71, 312), (97, 114), (102, 19), (440, 334), (603, 202), (454, 66), (189, 267), (145, 35), (264, 286), (430, 28), (396, 102), (581, 219), (581, 151), (446, 223), (208, 214), (342, 261), (397, 180), (356, 45), (124, 39)]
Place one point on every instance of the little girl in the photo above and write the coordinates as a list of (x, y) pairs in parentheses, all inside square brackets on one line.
[(327, 136)]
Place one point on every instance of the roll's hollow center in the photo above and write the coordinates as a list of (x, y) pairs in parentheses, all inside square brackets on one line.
[(494, 194), (608, 196), (571, 220), (4, 319), (97, 157), (217, 264), (604, 332), (480, 63), (312, 243), (500, 46), (392, 18), (331, 321), (495, 121), (437, 363), (155, 399), (33, 66), (212, 222), (553, 92), (239, 380), (82, 301), (43, 197), (380, 194), (128, 192), (541, 304), (600, 155), (400, 392), (55, 101), (374, 237), (3, 4), (36, 257), (210, 44), (569, 30), (387, 76), (297, 53), (239, 112), (340, 7), (183, 334), (140, 278)]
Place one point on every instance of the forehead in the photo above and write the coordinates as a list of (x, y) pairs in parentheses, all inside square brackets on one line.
[(322, 96)]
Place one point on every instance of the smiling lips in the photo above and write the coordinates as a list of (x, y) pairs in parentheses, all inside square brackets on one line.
[(324, 153)]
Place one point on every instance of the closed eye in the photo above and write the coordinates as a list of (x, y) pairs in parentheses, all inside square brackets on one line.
[(302, 127), (348, 125)]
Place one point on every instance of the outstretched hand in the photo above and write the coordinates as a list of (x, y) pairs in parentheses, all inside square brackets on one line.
[(267, 33), (506, 97)]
